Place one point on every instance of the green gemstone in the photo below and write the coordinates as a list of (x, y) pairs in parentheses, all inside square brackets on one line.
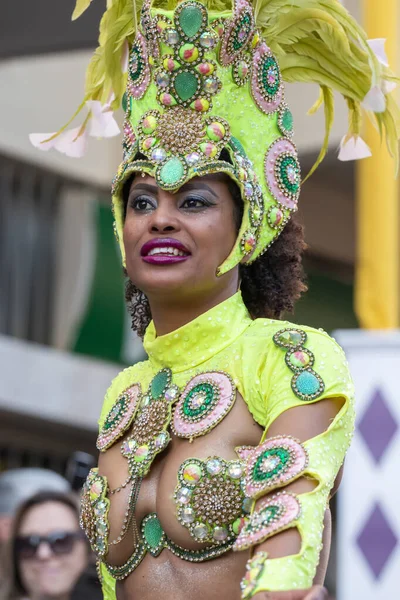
[(135, 64), (115, 414), (237, 146), (191, 20), (172, 171), (241, 33), (270, 463), (270, 513), (124, 102), (287, 121), (152, 532), (160, 383), (290, 174), (199, 401), (290, 338), (186, 85), (270, 76)]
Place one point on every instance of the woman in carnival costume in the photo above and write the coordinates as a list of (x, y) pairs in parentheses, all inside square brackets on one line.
[(219, 454)]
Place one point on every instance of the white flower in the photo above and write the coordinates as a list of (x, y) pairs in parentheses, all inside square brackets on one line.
[(71, 142), (353, 148), (377, 46), (375, 100), (102, 123)]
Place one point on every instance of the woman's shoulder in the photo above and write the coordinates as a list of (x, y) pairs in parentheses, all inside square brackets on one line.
[(286, 364), (271, 335), (125, 379)]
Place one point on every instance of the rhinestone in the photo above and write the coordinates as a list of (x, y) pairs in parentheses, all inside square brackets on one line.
[(192, 473), (207, 40), (192, 158), (235, 470), (162, 80), (128, 446), (171, 37), (269, 463), (247, 505), (161, 440), (141, 453), (183, 496), (100, 508), (158, 155), (101, 528), (95, 489), (248, 189), (187, 515), (214, 466), (100, 544), (171, 394), (146, 399), (300, 359), (220, 534), (200, 531), (291, 338), (211, 85)]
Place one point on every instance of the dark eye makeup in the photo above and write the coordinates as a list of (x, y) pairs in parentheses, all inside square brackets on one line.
[(191, 202)]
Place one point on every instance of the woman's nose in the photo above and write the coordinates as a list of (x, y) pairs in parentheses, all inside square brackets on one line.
[(164, 219), (44, 551)]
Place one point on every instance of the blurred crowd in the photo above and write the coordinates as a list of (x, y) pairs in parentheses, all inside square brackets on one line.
[(43, 551)]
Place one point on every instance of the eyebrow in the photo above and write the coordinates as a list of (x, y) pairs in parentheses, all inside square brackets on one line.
[(190, 185)]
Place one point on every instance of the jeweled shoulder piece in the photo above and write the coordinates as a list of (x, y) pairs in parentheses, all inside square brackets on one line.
[(94, 512), (271, 516), (204, 402), (119, 418), (254, 569), (210, 500), (306, 383), (149, 435), (273, 464)]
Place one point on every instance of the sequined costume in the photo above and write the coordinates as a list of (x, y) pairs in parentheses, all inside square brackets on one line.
[(202, 88), (275, 366)]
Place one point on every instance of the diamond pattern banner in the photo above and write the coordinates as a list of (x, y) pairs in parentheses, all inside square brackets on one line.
[(378, 425), (377, 541), (368, 544)]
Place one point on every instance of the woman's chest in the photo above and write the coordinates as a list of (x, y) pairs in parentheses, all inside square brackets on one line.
[(180, 447)]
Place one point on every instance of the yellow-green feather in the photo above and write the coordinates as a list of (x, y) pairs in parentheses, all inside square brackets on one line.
[(315, 41)]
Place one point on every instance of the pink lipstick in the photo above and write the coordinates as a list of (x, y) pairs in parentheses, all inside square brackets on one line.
[(164, 251)]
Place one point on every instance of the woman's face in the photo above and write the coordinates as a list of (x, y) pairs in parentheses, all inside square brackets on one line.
[(174, 243), (48, 574)]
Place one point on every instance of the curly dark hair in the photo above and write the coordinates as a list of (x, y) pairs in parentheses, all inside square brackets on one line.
[(270, 286)]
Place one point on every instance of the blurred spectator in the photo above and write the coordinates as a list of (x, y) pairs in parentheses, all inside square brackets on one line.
[(16, 485), (47, 552)]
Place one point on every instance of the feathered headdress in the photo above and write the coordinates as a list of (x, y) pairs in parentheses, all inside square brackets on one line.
[(195, 78)]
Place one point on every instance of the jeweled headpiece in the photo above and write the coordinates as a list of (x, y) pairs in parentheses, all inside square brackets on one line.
[(204, 94)]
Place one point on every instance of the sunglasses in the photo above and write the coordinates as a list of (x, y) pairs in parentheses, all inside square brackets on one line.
[(60, 542)]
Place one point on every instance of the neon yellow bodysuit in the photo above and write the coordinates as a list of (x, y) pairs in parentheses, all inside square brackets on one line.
[(275, 366)]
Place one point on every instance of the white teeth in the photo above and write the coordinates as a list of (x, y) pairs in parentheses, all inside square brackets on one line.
[(167, 251)]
